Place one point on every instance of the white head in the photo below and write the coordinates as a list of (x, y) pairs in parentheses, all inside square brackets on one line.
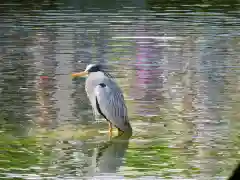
[(89, 66), (89, 69), (93, 68)]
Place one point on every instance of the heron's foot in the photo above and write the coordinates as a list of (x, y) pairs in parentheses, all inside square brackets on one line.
[(120, 132), (110, 129)]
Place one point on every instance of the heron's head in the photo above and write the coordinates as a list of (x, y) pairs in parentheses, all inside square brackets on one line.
[(89, 69)]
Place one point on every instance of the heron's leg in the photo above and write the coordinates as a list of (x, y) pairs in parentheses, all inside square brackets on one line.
[(110, 129)]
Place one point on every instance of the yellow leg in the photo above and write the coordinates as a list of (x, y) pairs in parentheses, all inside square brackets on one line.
[(110, 129)]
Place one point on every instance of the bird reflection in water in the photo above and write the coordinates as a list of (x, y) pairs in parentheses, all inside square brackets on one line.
[(235, 174), (108, 156)]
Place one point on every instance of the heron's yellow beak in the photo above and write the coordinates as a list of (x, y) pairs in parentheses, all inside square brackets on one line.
[(80, 74)]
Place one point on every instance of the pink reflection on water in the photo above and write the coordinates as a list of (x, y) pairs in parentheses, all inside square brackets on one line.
[(148, 78)]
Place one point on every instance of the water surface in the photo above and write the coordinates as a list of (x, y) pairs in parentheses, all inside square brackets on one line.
[(177, 64)]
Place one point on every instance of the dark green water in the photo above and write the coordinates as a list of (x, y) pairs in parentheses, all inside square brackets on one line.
[(177, 63)]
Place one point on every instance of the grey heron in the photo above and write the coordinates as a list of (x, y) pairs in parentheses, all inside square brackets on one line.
[(106, 97)]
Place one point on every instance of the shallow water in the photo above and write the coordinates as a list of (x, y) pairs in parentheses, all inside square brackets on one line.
[(177, 64)]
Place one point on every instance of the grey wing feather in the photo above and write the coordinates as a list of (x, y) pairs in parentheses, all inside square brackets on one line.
[(111, 104)]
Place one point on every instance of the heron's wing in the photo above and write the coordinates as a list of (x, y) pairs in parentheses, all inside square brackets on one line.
[(111, 105)]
